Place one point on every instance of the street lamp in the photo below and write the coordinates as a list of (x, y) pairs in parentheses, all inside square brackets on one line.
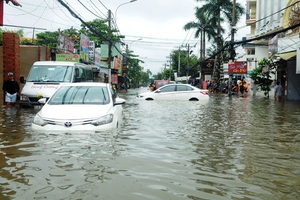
[(122, 5), (134, 41)]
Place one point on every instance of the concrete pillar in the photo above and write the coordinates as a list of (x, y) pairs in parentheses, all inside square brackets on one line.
[(11, 55)]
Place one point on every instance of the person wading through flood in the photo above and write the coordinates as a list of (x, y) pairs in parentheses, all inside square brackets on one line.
[(11, 89), (278, 91)]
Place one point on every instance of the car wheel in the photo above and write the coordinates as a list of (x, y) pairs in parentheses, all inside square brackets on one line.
[(194, 99)]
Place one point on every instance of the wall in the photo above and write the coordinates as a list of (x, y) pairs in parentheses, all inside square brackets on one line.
[(19, 58), (293, 92), (267, 13)]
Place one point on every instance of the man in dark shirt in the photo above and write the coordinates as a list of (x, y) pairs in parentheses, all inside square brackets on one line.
[(11, 89)]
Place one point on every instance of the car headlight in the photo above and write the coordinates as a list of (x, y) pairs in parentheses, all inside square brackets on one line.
[(39, 121), (24, 97), (103, 120)]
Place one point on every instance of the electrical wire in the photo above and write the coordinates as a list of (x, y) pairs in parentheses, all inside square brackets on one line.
[(89, 10), (268, 16), (103, 5), (97, 9)]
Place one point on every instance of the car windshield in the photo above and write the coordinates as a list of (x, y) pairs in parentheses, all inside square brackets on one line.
[(80, 95), (42, 73)]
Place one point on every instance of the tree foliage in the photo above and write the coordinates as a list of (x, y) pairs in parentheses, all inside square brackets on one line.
[(261, 75), (210, 18), (20, 32), (183, 62), (47, 38)]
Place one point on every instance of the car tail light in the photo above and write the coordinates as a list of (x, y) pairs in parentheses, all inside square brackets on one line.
[(204, 92)]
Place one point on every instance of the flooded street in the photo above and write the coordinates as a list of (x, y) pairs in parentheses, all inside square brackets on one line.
[(226, 148)]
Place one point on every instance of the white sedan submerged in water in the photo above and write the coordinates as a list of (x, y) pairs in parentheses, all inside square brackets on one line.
[(80, 106), (180, 92)]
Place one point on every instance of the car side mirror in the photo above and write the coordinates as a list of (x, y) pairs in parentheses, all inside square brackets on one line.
[(119, 101), (22, 80), (42, 100)]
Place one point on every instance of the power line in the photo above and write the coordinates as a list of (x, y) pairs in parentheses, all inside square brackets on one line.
[(256, 38), (97, 9), (103, 5), (89, 9), (80, 19), (268, 15)]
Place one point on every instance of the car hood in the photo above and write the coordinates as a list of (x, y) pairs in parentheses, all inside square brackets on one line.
[(74, 112)]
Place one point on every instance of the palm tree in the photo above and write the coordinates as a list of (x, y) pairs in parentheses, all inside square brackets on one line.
[(203, 27), (219, 11)]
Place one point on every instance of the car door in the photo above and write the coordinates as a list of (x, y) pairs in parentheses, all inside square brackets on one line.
[(183, 92), (165, 93)]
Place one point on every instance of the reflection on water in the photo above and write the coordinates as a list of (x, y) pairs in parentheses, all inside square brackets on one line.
[(225, 148)]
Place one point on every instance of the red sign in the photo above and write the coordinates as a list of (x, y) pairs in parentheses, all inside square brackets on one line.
[(237, 68), (114, 78)]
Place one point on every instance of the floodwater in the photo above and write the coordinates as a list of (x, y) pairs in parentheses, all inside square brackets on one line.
[(226, 148)]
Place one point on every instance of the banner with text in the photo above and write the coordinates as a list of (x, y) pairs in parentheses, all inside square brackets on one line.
[(238, 67)]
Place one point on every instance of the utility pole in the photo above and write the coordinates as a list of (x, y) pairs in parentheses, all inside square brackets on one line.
[(232, 51), (170, 72), (188, 58), (178, 73), (201, 52), (109, 42)]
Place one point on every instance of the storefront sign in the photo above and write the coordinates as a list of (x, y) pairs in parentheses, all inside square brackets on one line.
[(237, 68)]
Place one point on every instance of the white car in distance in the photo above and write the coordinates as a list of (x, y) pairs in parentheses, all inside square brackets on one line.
[(176, 92), (80, 106)]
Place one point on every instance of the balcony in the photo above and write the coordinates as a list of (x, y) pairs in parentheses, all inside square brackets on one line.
[(250, 12)]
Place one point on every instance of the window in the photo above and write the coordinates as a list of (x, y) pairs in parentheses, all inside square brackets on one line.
[(170, 88), (184, 88)]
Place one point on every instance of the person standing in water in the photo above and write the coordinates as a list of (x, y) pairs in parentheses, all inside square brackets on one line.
[(11, 89)]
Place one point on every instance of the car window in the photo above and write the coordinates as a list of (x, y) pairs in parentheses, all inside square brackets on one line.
[(80, 95), (184, 88), (169, 88)]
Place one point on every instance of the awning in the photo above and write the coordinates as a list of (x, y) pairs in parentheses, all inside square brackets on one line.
[(288, 55)]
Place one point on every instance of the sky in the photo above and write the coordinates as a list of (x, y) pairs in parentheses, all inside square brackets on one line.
[(152, 28)]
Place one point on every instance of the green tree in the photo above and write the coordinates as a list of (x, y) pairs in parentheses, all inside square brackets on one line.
[(135, 70), (183, 63), (203, 27), (98, 31), (158, 76), (47, 38), (74, 35), (217, 12), (261, 75), (145, 76)]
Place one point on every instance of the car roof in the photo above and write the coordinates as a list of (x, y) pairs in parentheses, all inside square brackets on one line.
[(178, 84), (87, 84), (55, 63), (161, 81)]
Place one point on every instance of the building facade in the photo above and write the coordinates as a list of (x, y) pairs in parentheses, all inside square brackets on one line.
[(278, 21)]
